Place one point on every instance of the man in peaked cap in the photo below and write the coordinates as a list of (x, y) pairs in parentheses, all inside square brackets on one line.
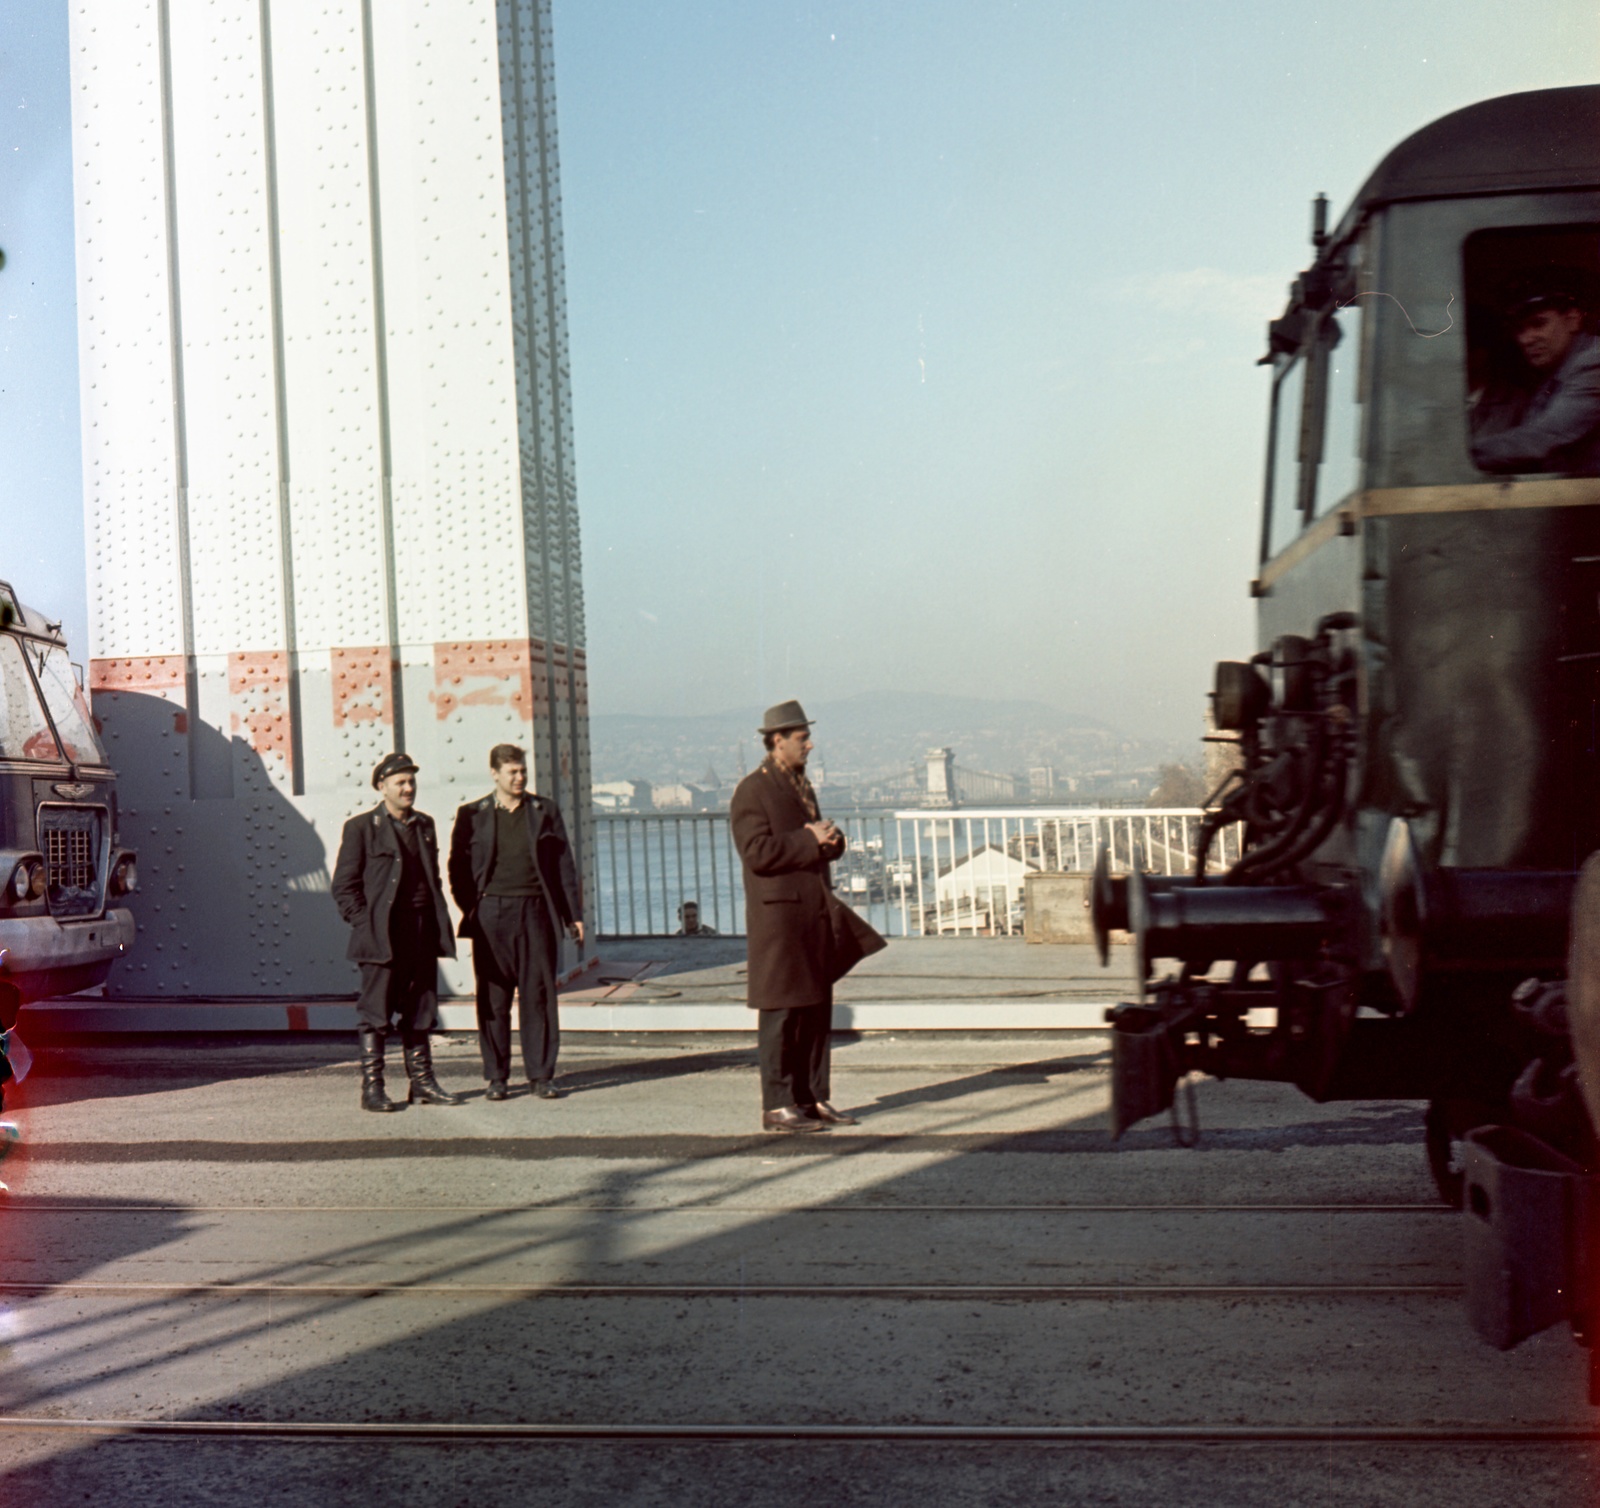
[(801, 939), (386, 885), (1557, 428)]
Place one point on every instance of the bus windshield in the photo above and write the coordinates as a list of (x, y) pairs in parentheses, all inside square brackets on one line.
[(68, 709), (24, 731)]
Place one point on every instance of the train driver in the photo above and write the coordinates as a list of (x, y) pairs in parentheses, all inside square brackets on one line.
[(1558, 426)]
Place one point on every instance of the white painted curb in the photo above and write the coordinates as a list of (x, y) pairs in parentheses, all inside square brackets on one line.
[(207, 1018)]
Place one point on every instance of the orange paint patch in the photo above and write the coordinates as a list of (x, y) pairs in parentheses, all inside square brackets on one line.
[(256, 670), (363, 679), (143, 673), (258, 687), (488, 673)]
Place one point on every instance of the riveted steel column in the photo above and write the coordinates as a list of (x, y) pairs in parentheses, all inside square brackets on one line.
[(326, 233)]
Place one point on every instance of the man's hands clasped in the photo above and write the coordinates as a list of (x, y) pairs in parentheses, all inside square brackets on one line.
[(830, 841)]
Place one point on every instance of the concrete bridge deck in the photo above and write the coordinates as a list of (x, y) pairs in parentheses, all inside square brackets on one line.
[(220, 1282)]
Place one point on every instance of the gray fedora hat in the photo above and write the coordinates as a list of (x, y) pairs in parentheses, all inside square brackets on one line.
[(783, 717)]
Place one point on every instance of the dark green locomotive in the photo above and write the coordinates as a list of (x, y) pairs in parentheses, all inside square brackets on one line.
[(1418, 737)]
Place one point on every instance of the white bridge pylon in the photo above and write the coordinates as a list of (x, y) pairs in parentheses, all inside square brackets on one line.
[(328, 454)]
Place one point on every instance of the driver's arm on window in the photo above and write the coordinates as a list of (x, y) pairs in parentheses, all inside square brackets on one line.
[(1571, 414)]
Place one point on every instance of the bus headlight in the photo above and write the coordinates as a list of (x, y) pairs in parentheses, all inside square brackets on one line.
[(125, 877), (21, 881)]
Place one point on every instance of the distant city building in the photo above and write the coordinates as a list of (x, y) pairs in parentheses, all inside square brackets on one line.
[(620, 795), (682, 798), (939, 779), (982, 889)]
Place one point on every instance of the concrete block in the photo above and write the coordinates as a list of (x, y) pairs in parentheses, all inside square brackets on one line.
[(1056, 908)]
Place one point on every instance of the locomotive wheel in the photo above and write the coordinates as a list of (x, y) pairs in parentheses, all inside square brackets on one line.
[(1447, 1121)]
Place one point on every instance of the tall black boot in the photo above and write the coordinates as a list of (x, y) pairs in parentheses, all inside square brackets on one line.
[(425, 1089), (372, 1095)]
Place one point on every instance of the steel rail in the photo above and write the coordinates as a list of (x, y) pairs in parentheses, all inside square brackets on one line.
[(936, 1434), (111, 1288), (16, 1206)]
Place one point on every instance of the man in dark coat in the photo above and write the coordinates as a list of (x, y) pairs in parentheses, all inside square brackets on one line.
[(386, 885), (512, 875), (801, 939)]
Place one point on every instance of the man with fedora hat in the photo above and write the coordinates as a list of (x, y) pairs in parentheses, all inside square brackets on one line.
[(386, 886), (801, 939)]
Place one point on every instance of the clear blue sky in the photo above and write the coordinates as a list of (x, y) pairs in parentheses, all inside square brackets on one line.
[(912, 343)]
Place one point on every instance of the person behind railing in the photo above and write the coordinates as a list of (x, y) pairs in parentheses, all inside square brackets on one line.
[(689, 923)]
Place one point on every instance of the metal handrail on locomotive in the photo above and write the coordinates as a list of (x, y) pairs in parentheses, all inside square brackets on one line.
[(62, 864), (1417, 769)]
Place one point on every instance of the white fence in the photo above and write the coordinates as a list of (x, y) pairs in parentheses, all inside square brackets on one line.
[(911, 874)]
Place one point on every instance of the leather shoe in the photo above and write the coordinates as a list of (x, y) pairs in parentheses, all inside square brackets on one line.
[(789, 1119), (497, 1090), (825, 1113), (545, 1089)]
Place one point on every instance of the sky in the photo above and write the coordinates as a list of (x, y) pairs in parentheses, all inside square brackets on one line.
[(912, 343)]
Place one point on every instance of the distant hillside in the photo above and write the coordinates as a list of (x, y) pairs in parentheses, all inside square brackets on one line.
[(864, 736)]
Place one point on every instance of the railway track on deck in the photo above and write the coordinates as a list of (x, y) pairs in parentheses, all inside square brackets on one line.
[(958, 1292), (949, 1292), (1219, 1238), (395, 1431)]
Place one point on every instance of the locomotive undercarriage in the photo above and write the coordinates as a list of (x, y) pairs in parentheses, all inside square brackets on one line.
[(1445, 987)]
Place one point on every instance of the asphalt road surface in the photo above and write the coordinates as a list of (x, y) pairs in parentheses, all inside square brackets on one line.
[(223, 1283)]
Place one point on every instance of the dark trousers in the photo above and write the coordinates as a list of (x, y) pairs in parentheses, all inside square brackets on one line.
[(404, 991), (516, 952), (794, 1055)]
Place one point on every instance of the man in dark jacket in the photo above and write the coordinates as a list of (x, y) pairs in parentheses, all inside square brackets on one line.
[(512, 875), (800, 938), (386, 885)]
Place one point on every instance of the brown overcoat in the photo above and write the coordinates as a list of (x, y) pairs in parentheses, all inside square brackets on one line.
[(800, 938)]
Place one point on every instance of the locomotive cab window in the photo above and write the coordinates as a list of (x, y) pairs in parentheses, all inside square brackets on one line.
[(1339, 471), (1314, 445), (1533, 354), (1283, 454)]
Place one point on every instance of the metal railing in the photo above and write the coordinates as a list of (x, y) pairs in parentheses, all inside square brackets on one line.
[(911, 874)]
